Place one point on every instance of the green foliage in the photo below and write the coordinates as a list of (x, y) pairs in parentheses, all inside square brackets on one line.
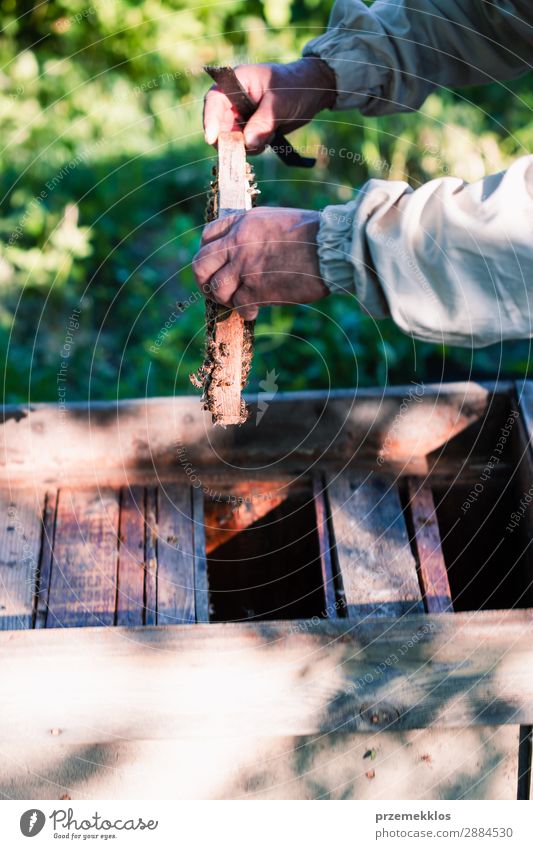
[(103, 170)]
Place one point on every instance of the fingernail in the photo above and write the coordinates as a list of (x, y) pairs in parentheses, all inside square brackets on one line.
[(251, 140), (211, 133)]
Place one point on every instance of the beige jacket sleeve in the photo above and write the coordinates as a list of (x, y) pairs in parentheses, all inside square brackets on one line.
[(388, 57), (450, 262)]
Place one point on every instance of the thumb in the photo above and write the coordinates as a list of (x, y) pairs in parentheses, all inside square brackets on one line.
[(262, 125)]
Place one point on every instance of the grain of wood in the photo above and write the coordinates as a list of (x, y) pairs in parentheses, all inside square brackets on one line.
[(377, 568), (20, 541), (432, 568), (130, 589), (132, 440), (331, 766), (83, 583), (228, 343), (175, 556), (269, 678)]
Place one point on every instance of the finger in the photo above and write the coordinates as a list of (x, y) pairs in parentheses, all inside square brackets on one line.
[(245, 302), (209, 259), (262, 125), (224, 284), (219, 115), (219, 228)]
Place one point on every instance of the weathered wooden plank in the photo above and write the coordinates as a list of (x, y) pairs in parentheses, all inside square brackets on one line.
[(233, 185), (333, 605), (201, 588), (20, 541), (432, 568), (119, 441), (150, 556), (46, 560), (175, 556), (130, 589), (228, 344), (377, 568), (83, 584), (452, 670), (333, 766)]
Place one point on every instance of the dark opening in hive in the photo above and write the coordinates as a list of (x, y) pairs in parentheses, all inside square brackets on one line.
[(263, 559)]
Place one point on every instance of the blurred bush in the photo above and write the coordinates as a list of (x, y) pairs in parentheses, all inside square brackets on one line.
[(103, 171)]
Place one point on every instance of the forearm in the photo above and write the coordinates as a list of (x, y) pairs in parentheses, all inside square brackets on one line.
[(450, 262), (388, 57)]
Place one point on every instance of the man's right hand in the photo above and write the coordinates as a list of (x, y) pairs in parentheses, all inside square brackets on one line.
[(287, 97)]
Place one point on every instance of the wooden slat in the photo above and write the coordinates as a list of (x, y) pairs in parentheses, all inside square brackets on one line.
[(175, 556), (150, 556), (228, 347), (83, 585), (20, 541), (450, 670), (376, 565), (130, 590), (125, 440), (327, 766), (47, 557), (432, 568), (201, 588), (332, 604)]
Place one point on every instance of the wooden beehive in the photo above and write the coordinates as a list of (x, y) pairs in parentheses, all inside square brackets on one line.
[(304, 607)]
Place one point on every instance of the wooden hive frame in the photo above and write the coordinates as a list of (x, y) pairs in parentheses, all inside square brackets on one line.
[(106, 527), (229, 338)]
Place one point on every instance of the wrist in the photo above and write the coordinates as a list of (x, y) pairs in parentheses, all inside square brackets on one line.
[(321, 78)]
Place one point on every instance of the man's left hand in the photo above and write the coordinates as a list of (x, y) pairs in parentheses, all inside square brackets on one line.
[(264, 256)]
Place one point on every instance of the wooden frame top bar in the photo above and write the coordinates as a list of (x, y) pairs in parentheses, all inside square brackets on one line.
[(129, 439), (289, 678)]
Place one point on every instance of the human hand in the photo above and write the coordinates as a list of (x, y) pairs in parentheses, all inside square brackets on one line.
[(265, 256), (287, 97)]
